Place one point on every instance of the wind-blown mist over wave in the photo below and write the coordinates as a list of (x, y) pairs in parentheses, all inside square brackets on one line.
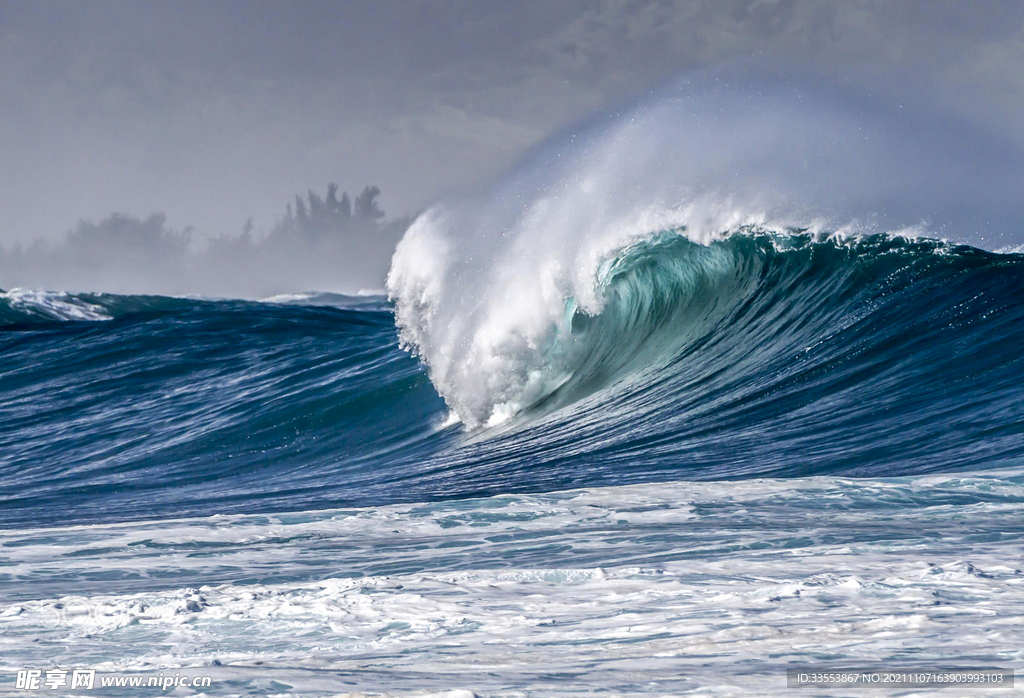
[(493, 292)]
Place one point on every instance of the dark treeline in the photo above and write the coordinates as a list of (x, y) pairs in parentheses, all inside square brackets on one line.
[(331, 215), (330, 242)]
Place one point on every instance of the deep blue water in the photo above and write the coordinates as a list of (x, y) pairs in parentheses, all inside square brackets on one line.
[(759, 355)]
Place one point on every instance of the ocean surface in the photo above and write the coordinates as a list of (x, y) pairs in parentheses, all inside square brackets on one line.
[(774, 448)]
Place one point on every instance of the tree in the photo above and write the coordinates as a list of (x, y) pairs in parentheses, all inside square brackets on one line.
[(366, 208)]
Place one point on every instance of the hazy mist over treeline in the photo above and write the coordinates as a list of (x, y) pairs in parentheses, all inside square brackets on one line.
[(321, 242), (211, 111)]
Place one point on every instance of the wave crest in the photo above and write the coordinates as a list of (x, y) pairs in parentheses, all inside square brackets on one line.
[(23, 305)]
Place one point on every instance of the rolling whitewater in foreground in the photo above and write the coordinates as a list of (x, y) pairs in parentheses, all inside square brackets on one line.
[(662, 413)]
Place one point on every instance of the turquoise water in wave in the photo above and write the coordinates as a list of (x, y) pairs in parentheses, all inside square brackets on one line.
[(772, 449)]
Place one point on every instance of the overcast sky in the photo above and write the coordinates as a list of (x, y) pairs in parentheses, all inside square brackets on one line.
[(216, 111)]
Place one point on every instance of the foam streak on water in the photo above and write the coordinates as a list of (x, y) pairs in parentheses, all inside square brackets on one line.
[(677, 588)]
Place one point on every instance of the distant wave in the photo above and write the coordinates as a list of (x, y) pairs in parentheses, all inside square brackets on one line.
[(21, 305)]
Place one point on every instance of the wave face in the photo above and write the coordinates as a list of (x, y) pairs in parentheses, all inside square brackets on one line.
[(759, 354)]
